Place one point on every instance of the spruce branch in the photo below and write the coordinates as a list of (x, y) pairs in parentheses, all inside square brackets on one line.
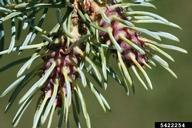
[(85, 35)]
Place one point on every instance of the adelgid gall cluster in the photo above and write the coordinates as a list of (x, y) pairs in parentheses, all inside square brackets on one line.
[(75, 53)]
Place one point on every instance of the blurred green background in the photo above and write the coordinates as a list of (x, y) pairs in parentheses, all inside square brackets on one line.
[(169, 101)]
